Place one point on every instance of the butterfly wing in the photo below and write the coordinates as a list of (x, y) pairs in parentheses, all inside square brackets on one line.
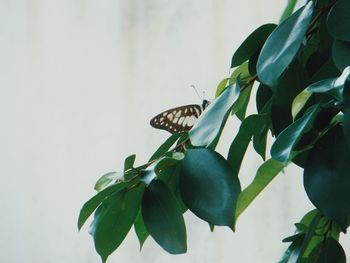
[(177, 119)]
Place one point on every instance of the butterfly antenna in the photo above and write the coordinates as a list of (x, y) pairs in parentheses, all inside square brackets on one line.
[(192, 86)]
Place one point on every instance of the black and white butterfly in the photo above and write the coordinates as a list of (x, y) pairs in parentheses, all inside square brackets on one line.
[(179, 119)]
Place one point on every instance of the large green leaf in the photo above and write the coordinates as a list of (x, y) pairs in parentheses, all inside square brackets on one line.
[(90, 206), (209, 125), (283, 44), (341, 54), (265, 174), (241, 141), (114, 218), (338, 21), (208, 186), (328, 251), (326, 177), (252, 44), (163, 218), (288, 138)]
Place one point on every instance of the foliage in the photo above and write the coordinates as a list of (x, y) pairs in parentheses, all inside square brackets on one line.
[(301, 71)]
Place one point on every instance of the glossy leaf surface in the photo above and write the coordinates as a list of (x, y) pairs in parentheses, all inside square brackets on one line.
[(208, 186), (283, 44)]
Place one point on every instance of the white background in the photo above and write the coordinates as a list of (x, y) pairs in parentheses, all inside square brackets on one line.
[(79, 81)]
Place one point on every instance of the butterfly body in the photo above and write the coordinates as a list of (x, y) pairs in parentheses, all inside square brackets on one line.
[(178, 119)]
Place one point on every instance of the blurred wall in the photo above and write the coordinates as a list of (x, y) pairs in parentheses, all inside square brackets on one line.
[(79, 81)]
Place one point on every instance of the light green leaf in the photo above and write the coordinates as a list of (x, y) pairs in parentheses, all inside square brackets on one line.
[(288, 10), (288, 138), (208, 186), (163, 218), (299, 102), (209, 125), (283, 44), (265, 174), (106, 179)]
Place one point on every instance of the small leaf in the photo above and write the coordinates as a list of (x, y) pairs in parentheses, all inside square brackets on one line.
[(252, 44), (288, 10), (265, 174), (209, 125), (292, 252), (241, 142), (299, 102), (90, 206), (114, 218), (107, 179), (283, 44), (240, 106), (140, 229), (166, 146), (326, 179), (338, 21), (242, 72), (288, 138), (129, 162), (163, 218), (208, 186), (341, 54), (329, 251)]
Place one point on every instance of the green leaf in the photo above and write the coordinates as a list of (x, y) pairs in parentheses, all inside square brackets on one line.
[(140, 229), (328, 251), (114, 218), (168, 160), (338, 21), (242, 72), (90, 206), (299, 102), (282, 45), (341, 54), (292, 252), (288, 10), (326, 179), (265, 174), (208, 186), (252, 44), (288, 138), (106, 179), (241, 142), (263, 96), (166, 146), (163, 218), (129, 162), (240, 106), (346, 109), (209, 125)]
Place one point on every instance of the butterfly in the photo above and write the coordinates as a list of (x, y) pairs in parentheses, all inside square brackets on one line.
[(179, 119)]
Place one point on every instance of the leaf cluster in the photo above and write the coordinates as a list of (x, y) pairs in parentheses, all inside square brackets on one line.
[(301, 70)]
